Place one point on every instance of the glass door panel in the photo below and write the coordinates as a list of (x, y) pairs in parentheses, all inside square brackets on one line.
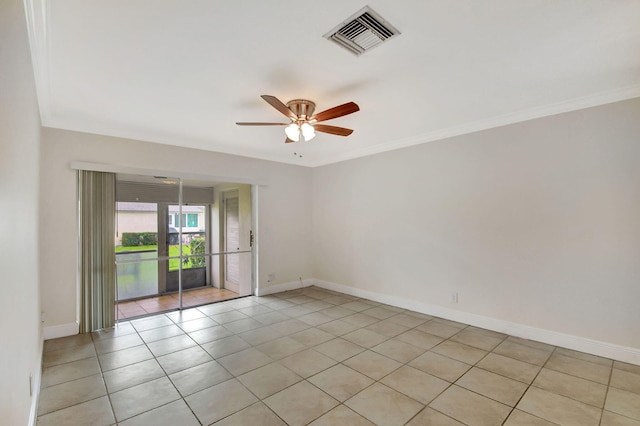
[(180, 244), (137, 275), (136, 249), (187, 237)]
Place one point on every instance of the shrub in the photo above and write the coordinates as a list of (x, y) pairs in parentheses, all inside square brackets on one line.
[(134, 239), (149, 238), (197, 246)]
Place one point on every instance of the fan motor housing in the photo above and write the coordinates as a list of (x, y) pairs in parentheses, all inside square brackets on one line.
[(302, 108)]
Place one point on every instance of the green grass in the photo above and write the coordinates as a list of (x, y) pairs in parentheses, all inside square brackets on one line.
[(174, 251), (120, 249)]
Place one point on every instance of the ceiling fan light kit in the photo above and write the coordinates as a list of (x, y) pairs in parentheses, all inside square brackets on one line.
[(303, 109), (294, 130), (308, 131), (303, 122)]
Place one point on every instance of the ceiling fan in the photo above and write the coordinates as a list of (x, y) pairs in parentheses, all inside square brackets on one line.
[(303, 122)]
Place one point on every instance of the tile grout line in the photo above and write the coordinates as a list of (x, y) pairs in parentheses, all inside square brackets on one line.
[(234, 377), (333, 337), (531, 385), (342, 362), (182, 397), (606, 393), (113, 411)]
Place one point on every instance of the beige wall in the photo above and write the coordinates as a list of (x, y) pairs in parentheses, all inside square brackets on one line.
[(536, 223), (284, 206), (20, 333)]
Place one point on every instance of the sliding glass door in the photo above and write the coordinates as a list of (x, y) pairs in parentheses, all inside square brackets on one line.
[(180, 244)]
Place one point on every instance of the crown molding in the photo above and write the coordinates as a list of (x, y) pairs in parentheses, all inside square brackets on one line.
[(593, 100), (598, 99), (38, 24), (37, 28)]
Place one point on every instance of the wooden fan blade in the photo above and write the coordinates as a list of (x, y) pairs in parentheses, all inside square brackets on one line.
[(287, 140), (250, 123), (277, 104), (334, 130), (335, 112)]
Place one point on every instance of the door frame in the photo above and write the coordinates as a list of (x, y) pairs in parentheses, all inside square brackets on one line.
[(247, 199)]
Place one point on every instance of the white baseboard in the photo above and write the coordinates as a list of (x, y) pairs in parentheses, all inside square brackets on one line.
[(263, 290), (61, 330), (582, 344)]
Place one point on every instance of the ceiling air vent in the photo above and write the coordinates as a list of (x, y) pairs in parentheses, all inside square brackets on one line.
[(362, 31)]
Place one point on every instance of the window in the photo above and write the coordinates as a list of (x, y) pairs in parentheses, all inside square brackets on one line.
[(189, 220), (192, 220)]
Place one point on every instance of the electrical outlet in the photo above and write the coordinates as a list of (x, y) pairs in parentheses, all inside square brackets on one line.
[(454, 297)]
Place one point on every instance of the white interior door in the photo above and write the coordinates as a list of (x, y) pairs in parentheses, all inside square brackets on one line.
[(236, 240), (231, 241)]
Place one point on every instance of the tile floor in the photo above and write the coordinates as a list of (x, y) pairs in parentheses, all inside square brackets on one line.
[(167, 302), (317, 357)]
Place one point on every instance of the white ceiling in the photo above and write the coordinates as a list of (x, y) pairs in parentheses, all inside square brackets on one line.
[(183, 72)]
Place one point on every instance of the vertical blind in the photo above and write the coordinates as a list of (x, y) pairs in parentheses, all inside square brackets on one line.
[(96, 197)]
